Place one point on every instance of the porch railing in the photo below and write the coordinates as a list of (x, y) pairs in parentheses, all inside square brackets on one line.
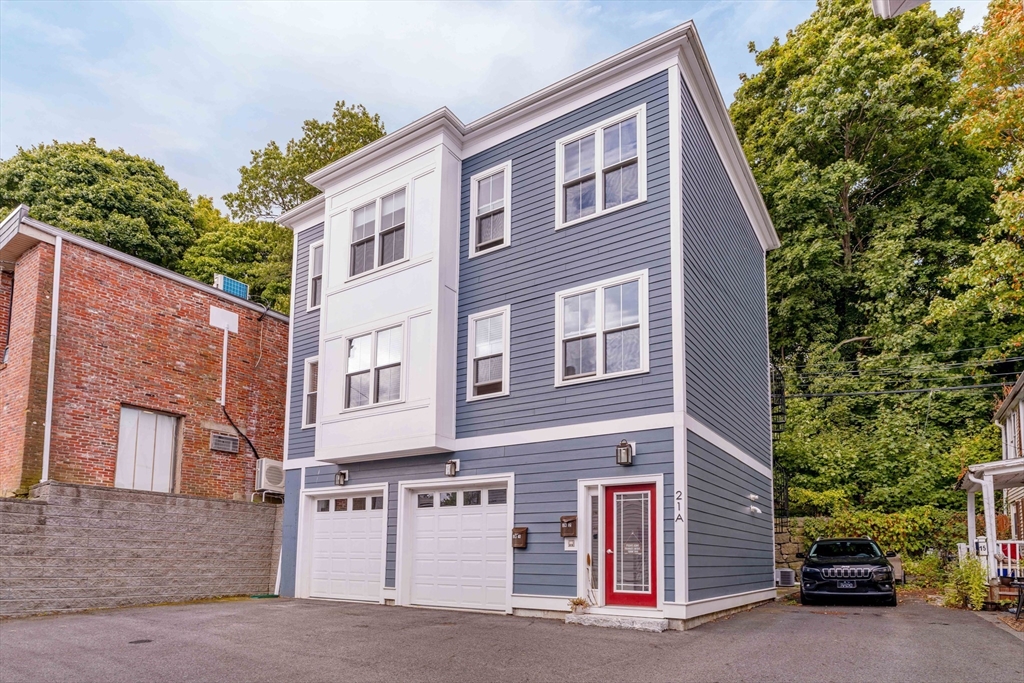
[(1009, 558)]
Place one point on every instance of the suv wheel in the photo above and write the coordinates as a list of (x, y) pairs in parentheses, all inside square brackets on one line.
[(804, 600), (891, 602)]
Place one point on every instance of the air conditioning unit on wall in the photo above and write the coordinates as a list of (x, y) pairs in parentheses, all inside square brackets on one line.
[(269, 475)]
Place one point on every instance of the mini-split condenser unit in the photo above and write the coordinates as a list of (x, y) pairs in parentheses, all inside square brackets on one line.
[(269, 475)]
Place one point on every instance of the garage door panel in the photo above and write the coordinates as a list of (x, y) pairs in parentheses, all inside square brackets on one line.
[(460, 553), (347, 547)]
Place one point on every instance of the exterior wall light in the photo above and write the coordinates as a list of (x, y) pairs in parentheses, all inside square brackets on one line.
[(340, 477), (624, 453), (451, 468), (755, 497), (754, 510)]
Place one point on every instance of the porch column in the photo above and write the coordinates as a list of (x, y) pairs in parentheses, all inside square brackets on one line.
[(972, 521), (988, 498)]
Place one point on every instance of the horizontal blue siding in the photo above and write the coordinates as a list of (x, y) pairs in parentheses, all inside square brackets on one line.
[(541, 262), (305, 344), (731, 550), (724, 291), (546, 477)]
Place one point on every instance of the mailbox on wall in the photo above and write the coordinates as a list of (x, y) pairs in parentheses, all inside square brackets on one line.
[(519, 537), (568, 526)]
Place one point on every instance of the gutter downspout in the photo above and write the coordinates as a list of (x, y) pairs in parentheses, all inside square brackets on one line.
[(50, 371)]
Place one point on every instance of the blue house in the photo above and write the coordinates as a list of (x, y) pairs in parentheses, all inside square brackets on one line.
[(529, 356)]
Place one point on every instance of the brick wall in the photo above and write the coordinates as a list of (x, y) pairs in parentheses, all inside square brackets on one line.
[(83, 547), (23, 377), (129, 336)]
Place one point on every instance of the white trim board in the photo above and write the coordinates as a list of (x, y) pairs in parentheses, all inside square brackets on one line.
[(626, 424), (719, 441)]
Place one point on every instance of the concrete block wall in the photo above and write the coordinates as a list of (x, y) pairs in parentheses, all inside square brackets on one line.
[(74, 547)]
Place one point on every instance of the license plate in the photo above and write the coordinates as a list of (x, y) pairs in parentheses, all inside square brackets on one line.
[(846, 584)]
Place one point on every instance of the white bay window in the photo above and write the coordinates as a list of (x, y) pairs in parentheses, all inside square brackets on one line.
[(601, 168), (374, 369), (602, 329)]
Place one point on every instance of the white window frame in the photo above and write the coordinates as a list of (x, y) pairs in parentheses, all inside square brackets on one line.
[(506, 327), (473, 204), (377, 241), (640, 113), (598, 287), (310, 306), (305, 391), (403, 331)]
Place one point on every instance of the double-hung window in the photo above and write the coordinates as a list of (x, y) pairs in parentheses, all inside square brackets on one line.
[(601, 168), (488, 367), (311, 382), (489, 202), (602, 329), (373, 247), (374, 371), (316, 275)]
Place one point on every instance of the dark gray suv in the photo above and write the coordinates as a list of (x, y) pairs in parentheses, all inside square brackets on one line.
[(846, 568)]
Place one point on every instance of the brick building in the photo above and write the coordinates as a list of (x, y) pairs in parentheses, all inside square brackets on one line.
[(133, 383)]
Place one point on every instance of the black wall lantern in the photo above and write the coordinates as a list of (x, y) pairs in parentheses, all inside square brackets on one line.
[(340, 477), (451, 468), (624, 453)]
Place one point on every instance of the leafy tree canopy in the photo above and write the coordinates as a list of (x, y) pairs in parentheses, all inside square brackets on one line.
[(109, 196), (988, 292), (273, 181), (847, 129), (258, 253)]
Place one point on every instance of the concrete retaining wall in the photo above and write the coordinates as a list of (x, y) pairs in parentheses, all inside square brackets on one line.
[(74, 547)]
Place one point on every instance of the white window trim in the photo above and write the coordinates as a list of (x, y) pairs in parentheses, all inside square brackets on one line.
[(506, 312), (373, 367), (641, 276), (309, 276), (641, 153), (377, 242), (473, 183), (305, 391)]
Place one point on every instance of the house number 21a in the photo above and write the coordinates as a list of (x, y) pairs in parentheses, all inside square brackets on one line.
[(679, 506)]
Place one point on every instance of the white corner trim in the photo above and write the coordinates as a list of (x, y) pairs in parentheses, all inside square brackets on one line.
[(506, 335), (640, 113), (699, 608), (506, 206), (52, 361), (716, 439)]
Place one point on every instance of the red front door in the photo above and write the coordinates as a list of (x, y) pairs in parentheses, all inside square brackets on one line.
[(631, 563)]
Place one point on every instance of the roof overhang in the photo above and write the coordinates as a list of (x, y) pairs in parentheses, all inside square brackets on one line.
[(1005, 474), (19, 232), (681, 43), (304, 212), (1011, 399)]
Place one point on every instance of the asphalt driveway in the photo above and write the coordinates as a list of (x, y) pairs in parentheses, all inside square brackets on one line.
[(312, 641)]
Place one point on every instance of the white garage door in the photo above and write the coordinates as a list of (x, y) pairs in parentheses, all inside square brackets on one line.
[(347, 552), (460, 546)]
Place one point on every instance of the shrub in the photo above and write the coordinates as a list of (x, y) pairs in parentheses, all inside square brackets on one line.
[(910, 533), (968, 584), (927, 572)]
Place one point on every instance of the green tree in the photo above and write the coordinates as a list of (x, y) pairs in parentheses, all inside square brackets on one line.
[(258, 253), (274, 182), (988, 292), (109, 196), (847, 127)]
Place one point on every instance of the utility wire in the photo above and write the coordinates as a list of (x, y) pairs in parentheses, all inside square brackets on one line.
[(909, 355), (905, 380), (897, 370), (900, 391)]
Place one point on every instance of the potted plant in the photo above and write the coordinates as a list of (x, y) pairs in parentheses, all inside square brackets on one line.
[(579, 605)]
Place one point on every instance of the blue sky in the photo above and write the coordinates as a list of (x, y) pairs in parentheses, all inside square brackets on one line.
[(195, 86)]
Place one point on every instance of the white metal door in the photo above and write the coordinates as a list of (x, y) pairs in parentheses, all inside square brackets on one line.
[(460, 543), (145, 450), (347, 547)]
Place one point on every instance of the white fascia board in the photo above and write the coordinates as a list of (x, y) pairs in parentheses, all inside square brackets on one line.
[(149, 267), (1011, 399), (306, 215), (704, 89)]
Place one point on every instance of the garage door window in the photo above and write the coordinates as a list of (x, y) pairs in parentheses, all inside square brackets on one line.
[(323, 506), (377, 503), (471, 498), (358, 503), (425, 500), (450, 499), (340, 504), (496, 496)]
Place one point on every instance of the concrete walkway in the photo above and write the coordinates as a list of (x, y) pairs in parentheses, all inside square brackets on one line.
[(312, 641)]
